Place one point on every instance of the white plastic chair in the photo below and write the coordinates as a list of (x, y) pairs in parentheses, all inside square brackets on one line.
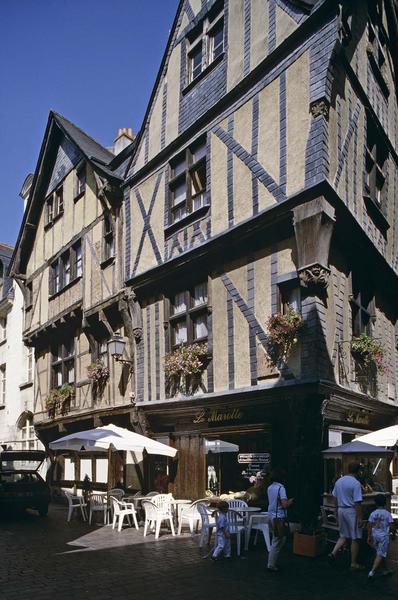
[(149, 494), (163, 503), (116, 493), (208, 523), (191, 515), (154, 518), (121, 510), (236, 504), (99, 503), (258, 522), (75, 502), (235, 527)]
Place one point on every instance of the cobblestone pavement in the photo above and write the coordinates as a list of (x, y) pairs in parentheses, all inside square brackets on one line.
[(43, 558)]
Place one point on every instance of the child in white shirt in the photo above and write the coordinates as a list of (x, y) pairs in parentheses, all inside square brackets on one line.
[(380, 523)]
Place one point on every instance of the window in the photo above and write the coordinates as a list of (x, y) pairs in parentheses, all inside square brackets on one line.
[(2, 385), (28, 295), (55, 205), (29, 364), (63, 363), (188, 316), (109, 238), (187, 181), (29, 440), (362, 308), (376, 155), (205, 43), (289, 296), (101, 351), (66, 268), (3, 329), (80, 181), (376, 38)]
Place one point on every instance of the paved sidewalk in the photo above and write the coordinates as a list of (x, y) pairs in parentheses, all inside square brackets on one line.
[(46, 558)]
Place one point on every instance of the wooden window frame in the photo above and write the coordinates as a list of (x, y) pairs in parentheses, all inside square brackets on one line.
[(63, 361), (80, 182), (202, 36), (54, 205), (75, 269), (376, 158), (363, 312), (188, 316), (3, 384), (186, 174), (109, 250)]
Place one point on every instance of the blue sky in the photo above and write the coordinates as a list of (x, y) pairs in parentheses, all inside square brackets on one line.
[(94, 61)]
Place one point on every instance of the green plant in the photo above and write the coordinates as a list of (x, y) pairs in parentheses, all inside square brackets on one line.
[(369, 351), (99, 375), (283, 330), (58, 399), (187, 362)]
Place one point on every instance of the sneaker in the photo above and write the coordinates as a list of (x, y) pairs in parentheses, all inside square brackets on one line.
[(331, 559), (371, 577), (273, 569)]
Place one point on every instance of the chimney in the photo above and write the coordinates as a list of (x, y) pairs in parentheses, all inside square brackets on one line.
[(124, 138)]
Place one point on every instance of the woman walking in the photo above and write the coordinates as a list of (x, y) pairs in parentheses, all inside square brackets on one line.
[(278, 502)]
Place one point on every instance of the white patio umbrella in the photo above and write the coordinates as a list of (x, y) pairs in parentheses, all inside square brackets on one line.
[(387, 437), (111, 437)]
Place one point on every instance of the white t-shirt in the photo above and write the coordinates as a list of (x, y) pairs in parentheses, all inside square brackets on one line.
[(348, 491), (381, 519), (276, 492)]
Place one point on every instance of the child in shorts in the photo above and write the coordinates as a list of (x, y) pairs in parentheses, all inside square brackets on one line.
[(223, 540), (380, 523)]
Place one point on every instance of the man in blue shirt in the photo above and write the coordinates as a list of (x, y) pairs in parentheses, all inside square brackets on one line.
[(348, 496)]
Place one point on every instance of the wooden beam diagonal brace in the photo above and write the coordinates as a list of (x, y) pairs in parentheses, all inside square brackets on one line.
[(251, 163)]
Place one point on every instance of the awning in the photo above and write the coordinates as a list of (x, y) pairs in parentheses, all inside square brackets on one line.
[(387, 437)]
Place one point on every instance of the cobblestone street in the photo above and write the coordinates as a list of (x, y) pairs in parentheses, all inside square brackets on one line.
[(43, 558)]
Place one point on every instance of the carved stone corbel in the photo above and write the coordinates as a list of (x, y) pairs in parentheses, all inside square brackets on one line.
[(320, 108), (313, 228)]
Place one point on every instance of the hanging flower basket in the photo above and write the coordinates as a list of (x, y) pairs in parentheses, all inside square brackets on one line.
[(283, 331), (59, 400), (369, 351), (184, 366)]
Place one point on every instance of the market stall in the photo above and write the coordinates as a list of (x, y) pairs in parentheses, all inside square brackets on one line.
[(374, 476)]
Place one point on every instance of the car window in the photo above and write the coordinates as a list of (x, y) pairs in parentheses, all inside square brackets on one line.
[(18, 478)]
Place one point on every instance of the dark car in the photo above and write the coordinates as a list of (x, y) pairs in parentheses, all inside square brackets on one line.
[(21, 486)]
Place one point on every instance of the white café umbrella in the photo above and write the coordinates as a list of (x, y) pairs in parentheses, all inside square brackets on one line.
[(111, 437), (387, 437)]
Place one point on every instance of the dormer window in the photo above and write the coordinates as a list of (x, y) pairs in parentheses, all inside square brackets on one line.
[(205, 43), (55, 205)]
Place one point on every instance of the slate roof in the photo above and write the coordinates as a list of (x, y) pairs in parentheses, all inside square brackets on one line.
[(88, 145)]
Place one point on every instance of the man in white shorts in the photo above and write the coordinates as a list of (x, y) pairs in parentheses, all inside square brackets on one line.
[(348, 494)]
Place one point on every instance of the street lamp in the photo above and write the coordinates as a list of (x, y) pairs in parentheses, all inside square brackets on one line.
[(116, 346)]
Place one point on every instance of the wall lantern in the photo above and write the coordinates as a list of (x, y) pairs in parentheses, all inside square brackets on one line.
[(116, 346)]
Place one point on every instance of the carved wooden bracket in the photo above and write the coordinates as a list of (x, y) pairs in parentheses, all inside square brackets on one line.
[(313, 228)]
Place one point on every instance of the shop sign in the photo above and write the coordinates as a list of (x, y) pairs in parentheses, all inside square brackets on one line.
[(258, 457), (255, 465), (217, 416), (358, 418)]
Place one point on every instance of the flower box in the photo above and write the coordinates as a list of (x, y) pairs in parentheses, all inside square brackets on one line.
[(308, 544)]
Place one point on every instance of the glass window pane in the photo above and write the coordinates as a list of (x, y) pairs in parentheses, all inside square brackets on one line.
[(179, 304), (198, 151), (200, 327), (66, 262), (195, 59), (200, 294), (179, 192), (79, 263), (217, 43), (180, 332), (70, 372), (178, 166)]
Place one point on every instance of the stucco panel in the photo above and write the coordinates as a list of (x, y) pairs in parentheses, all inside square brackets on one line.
[(298, 116), (220, 335), (235, 43), (219, 194)]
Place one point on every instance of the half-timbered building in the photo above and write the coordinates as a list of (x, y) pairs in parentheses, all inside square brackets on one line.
[(264, 179), (68, 260)]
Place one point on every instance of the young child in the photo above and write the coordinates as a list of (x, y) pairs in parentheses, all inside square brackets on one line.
[(223, 541), (379, 524)]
